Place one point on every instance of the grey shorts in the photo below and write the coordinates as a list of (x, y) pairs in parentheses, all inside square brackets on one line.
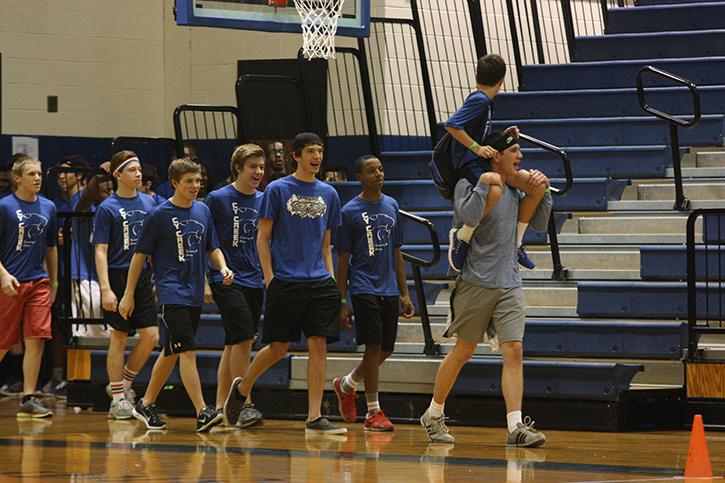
[(476, 309)]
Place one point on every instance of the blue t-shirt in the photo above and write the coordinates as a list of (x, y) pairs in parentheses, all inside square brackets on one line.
[(177, 240), (118, 222), (82, 256), (301, 212), (474, 117), (370, 232), (26, 230), (236, 216)]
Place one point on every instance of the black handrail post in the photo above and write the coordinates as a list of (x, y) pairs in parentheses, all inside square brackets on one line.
[(681, 202), (515, 41), (569, 28), (559, 272), (605, 14), (368, 97), (537, 32), (691, 286), (477, 29), (431, 347), (425, 73)]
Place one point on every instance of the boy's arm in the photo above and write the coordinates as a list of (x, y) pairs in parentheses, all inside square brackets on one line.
[(125, 307), (408, 308), (216, 257), (343, 269), (462, 137), (327, 252), (51, 261), (264, 234), (109, 301), (8, 283), (469, 202)]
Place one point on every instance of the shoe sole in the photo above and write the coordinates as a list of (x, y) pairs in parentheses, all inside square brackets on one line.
[(534, 444), (34, 416), (140, 417), (323, 432), (235, 384), (451, 234), (379, 430), (339, 401), (250, 424), (119, 418), (452, 440), (217, 420)]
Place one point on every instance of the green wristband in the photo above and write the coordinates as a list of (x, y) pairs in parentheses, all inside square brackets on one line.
[(343, 300), (547, 190), (54, 283), (473, 146)]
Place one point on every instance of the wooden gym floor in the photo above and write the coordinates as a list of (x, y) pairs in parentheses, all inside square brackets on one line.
[(88, 447)]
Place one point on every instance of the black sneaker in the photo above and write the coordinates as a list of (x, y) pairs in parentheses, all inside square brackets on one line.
[(323, 426), (250, 416), (149, 415), (207, 419), (234, 403)]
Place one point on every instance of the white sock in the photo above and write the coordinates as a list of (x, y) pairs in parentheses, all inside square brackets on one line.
[(465, 233), (435, 410), (373, 406), (520, 230), (513, 419)]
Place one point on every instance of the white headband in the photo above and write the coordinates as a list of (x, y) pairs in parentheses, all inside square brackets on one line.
[(121, 166)]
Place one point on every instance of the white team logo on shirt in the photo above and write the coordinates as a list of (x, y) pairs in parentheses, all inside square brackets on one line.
[(306, 206), (31, 226), (378, 228), (189, 234), (132, 225), (244, 224)]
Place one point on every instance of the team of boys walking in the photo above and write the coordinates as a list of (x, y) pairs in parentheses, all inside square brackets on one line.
[(240, 241)]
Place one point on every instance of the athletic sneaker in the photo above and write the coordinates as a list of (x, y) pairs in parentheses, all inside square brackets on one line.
[(457, 250), (207, 419), (128, 394), (345, 401), (121, 409), (149, 415), (377, 421), (436, 429), (525, 435), (323, 426), (12, 390), (33, 409), (249, 416), (233, 404), (524, 259)]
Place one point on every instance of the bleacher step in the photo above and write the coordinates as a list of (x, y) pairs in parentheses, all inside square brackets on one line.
[(699, 172), (696, 191), (631, 225), (619, 239), (710, 159), (660, 205)]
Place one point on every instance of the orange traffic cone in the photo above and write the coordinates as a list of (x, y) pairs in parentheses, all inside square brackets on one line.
[(698, 459)]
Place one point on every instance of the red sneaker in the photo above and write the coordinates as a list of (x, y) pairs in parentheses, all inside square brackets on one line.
[(378, 422), (345, 401)]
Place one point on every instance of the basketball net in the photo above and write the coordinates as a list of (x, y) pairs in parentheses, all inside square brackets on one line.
[(319, 25)]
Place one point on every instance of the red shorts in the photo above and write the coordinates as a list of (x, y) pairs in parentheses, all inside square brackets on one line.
[(26, 314)]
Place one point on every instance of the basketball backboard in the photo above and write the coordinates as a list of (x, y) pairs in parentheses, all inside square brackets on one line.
[(258, 15)]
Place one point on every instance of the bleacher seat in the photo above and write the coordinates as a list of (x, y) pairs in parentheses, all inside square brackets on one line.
[(664, 45)]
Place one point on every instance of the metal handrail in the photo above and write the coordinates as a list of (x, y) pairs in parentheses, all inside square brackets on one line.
[(681, 202), (559, 272), (431, 346), (178, 133)]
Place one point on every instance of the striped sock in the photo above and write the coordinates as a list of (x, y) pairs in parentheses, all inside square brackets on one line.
[(117, 390), (373, 403), (128, 377), (349, 383)]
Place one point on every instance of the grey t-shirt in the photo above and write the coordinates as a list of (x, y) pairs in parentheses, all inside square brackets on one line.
[(491, 260)]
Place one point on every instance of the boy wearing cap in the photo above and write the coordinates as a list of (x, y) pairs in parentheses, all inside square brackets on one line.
[(28, 238), (117, 226), (177, 235), (469, 125), (297, 216), (488, 294)]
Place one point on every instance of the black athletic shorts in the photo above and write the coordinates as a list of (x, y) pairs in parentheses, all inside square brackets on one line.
[(181, 323), (376, 319), (296, 307), (144, 310), (240, 308)]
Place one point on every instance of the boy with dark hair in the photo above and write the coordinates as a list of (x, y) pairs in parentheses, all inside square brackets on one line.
[(371, 233), (297, 216), (28, 238), (469, 125), (235, 211), (488, 291), (176, 235), (117, 225)]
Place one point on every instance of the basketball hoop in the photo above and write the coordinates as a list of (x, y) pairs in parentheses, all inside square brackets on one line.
[(319, 25)]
